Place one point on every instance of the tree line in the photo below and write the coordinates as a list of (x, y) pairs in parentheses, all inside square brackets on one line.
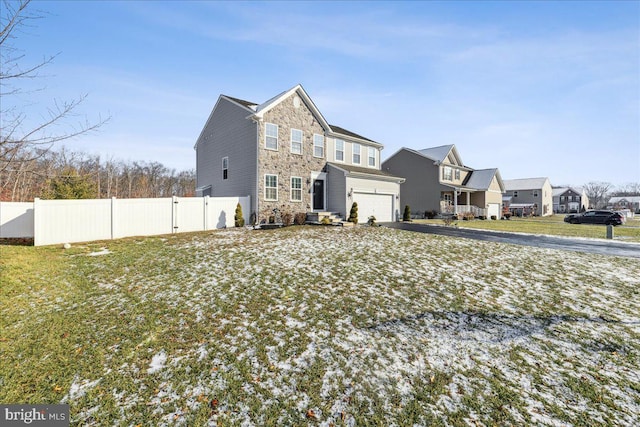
[(65, 174)]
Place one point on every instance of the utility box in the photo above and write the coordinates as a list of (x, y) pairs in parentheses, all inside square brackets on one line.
[(609, 231)]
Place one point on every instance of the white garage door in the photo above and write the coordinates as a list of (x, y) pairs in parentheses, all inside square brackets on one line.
[(494, 209), (378, 205)]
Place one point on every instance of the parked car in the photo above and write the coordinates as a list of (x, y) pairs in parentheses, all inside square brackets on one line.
[(596, 217)]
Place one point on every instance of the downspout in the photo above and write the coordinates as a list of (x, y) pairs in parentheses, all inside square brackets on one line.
[(257, 197)]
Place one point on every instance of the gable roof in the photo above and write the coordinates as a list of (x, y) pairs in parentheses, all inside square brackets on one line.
[(358, 170), (247, 104), (481, 179), (343, 131), (631, 199), (524, 184), (261, 109), (257, 112), (441, 152)]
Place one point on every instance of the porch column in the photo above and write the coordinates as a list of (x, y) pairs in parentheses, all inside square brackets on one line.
[(468, 199), (455, 200)]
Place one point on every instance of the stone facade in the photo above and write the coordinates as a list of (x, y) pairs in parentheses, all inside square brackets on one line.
[(291, 113)]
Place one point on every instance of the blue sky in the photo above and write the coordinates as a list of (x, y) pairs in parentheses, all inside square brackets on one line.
[(533, 88)]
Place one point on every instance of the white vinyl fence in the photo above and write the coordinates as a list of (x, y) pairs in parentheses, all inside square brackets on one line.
[(16, 219), (50, 222)]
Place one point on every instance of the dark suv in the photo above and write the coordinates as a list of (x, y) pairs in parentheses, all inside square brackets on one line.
[(596, 217)]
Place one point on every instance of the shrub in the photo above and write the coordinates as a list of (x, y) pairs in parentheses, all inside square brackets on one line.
[(325, 221), (272, 219), (430, 214), (372, 221), (406, 216), (300, 218), (449, 219), (287, 218), (239, 218), (468, 216), (507, 215), (493, 217), (353, 214)]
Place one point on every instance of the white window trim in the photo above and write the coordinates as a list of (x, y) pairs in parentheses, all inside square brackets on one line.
[(335, 154), (353, 153), (370, 151), (318, 146), (291, 199), (225, 168), (301, 141), (447, 176), (265, 187), (266, 136)]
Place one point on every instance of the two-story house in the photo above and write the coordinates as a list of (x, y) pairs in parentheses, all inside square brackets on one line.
[(285, 155), (437, 180), (569, 200), (529, 196), (625, 202)]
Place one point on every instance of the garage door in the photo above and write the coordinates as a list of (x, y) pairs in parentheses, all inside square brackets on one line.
[(378, 205), (494, 209)]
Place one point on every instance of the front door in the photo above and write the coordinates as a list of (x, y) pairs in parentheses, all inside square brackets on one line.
[(318, 194)]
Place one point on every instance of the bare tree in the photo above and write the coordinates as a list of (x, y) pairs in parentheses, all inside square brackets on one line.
[(628, 189), (597, 193), (23, 141)]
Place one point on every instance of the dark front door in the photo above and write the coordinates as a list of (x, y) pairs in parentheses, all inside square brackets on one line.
[(318, 195)]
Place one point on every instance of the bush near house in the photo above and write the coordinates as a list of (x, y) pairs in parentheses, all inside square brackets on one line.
[(406, 216), (287, 218), (239, 218), (353, 215), (300, 218)]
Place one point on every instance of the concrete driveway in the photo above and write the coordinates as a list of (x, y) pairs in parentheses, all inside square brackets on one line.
[(602, 247)]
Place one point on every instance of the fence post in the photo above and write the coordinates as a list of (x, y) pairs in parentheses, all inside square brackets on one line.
[(206, 212), (174, 214), (113, 218), (36, 228)]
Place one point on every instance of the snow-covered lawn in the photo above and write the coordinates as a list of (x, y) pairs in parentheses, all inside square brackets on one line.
[(331, 326)]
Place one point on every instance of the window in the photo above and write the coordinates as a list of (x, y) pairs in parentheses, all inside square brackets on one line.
[(296, 189), (562, 198), (318, 145), (356, 154), (339, 150), (271, 187), (271, 136), (458, 174), (225, 167), (447, 173), (296, 141), (515, 194), (372, 156)]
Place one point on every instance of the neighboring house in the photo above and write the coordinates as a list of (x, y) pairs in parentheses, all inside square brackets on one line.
[(437, 180), (285, 155), (625, 202), (569, 200), (529, 196)]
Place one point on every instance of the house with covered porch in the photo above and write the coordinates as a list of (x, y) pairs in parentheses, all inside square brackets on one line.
[(437, 180)]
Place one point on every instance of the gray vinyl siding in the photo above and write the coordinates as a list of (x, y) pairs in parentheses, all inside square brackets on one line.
[(337, 191), (228, 133), (544, 200), (421, 189)]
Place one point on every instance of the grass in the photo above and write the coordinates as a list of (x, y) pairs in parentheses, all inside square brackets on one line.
[(551, 225), (320, 326)]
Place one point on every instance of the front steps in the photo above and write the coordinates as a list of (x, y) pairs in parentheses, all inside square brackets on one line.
[(334, 219)]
